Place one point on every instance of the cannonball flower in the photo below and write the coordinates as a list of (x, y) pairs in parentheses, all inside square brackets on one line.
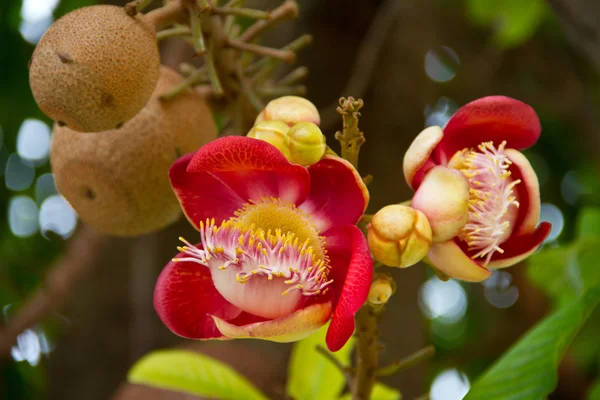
[(478, 191), (279, 253)]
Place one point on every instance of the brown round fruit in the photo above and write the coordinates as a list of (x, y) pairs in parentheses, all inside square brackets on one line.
[(117, 180), (95, 68)]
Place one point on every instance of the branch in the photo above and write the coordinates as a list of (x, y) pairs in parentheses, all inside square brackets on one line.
[(579, 19), (75, 262), (287, 9), (406, 362), (134, 7), (366, 57), (345, 371), (166, 15), (287, 56)]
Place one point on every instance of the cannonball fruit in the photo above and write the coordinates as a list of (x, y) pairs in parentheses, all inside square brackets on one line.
[(117, 180), (95, 68)]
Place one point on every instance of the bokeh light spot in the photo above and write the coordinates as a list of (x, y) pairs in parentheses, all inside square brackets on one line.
[(551, 213), (57, 215), (440, 112), (23, 216), (498, 290), (443, 301), (441, 64), (18, 175), (45, 187), (450, 384), (36, 18), (33, 141)]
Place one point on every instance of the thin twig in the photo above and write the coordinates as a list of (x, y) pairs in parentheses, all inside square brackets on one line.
[(289, 9), (134, 7), (213, 75), (242, 12), (75, 262), (248, 91), (196, 28), (172, 32), (287, 56), (366, 57), (166, 15), (345, 371), (294, 45), (406, 362), (197, 77), (278, 91), (294, 76)]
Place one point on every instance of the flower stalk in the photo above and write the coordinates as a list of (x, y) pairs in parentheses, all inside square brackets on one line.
[(350, 138)]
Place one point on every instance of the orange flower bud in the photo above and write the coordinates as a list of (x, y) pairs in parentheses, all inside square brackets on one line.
[(399, 236)]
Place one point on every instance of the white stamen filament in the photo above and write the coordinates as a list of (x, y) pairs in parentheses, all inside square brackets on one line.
[(491, 195)]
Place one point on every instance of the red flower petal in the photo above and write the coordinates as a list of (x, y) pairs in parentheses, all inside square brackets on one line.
[(184, 297), (493, 118), (338, 195), (201, 195), (528, 193), (518, 248), (352, 272), (252, 168)]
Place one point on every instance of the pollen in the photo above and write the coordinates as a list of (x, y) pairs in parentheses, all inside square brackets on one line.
[(491, 197), (265, 240)]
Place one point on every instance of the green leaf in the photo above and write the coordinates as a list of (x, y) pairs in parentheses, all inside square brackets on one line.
[(588, 222), (380, 392), (569, 271), (514, 21), (311, 374), (194, 373), (594, 393), (528, 369)]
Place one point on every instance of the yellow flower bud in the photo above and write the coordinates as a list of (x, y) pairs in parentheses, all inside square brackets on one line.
[(271, 132), (382, 288), (305, 143), (291, 110), (399, 236)]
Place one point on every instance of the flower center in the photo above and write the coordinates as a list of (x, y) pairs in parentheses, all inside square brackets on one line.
[(268, 249), (491, 196)]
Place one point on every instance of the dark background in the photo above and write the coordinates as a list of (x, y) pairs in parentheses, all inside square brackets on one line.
[(413, 62)]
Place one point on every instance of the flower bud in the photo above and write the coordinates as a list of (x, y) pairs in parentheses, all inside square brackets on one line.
[(305, 143), (271, 132), (444, 199), (399, 236), (382, 288), (291, 110)]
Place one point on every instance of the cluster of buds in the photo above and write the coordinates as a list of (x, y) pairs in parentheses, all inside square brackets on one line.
[(291, 124)]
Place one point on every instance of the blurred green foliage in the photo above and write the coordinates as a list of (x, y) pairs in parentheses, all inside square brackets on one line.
[(512, 21)]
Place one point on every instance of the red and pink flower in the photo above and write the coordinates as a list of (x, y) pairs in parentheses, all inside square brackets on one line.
[(479, 193), (279, 255)]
